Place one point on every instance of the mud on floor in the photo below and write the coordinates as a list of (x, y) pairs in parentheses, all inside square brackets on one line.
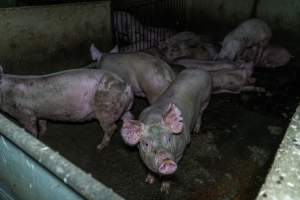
[(228, 160)]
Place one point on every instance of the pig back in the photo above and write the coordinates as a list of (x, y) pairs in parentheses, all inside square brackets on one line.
[(252, 32), (190, 91), (65, 95), (145, 73)]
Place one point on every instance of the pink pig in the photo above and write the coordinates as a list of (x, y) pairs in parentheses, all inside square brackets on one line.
[(71, 96), (163, 130)]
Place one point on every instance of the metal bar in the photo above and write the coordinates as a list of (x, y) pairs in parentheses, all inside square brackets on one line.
[(156, 16), (68, 173), (23, 178)]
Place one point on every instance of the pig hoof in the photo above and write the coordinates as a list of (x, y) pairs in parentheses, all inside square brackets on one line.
[(100, 147), (196, 130), (165, 187), (150, 179)]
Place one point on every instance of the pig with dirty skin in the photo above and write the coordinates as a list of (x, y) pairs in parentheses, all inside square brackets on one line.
[(163, 130), (187, 45), (235, 80), (148, 76), (209, 66), (76, 95), (227, 77), (251, 33), (273, 56)]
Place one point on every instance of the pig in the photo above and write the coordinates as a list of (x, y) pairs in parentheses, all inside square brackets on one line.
[(187, 45), (251, 33), (235, 80), (163, 130), (227, 77), (76, 95), (138, 46), (203, 52), (148, 76), (273, 56), (186, 37), (207, 65)]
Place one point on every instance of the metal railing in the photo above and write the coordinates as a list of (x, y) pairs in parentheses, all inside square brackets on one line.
[(141, 24), (37, 172)]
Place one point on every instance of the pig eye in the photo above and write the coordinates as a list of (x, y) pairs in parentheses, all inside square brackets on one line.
[(146, 146), (168, 139)]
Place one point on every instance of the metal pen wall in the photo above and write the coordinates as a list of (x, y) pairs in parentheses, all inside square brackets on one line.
[(143, 23)]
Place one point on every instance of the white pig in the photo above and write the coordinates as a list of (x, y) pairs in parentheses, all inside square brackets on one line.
[(251, 33), (148, 76), (227, 77), (272, 56), (71, 96), (163, 130)]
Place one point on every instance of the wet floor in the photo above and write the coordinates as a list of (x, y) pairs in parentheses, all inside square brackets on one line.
[(228, 160)]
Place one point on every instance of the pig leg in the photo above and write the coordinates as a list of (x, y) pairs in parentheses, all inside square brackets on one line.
[(150, 179), (253, 88), (165, 186), (42, 127), (198, 125), (108, 128), (259, 55), (29, 123), (107, 118), (108, 108)]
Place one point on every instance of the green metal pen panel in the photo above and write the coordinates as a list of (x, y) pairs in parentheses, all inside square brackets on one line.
[(27, 179), (33, 171)]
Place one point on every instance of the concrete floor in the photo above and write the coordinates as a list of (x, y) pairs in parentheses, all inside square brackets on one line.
[(228, 160)]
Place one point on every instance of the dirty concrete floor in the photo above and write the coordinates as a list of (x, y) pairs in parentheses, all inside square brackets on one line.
[(228, 160)]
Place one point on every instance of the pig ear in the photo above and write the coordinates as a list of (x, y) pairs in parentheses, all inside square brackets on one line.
[(173, 119), (131, 131), (115, 49), (96, 55)]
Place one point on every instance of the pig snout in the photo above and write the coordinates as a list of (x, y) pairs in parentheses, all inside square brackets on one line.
[(165, 163), (167, 167)]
